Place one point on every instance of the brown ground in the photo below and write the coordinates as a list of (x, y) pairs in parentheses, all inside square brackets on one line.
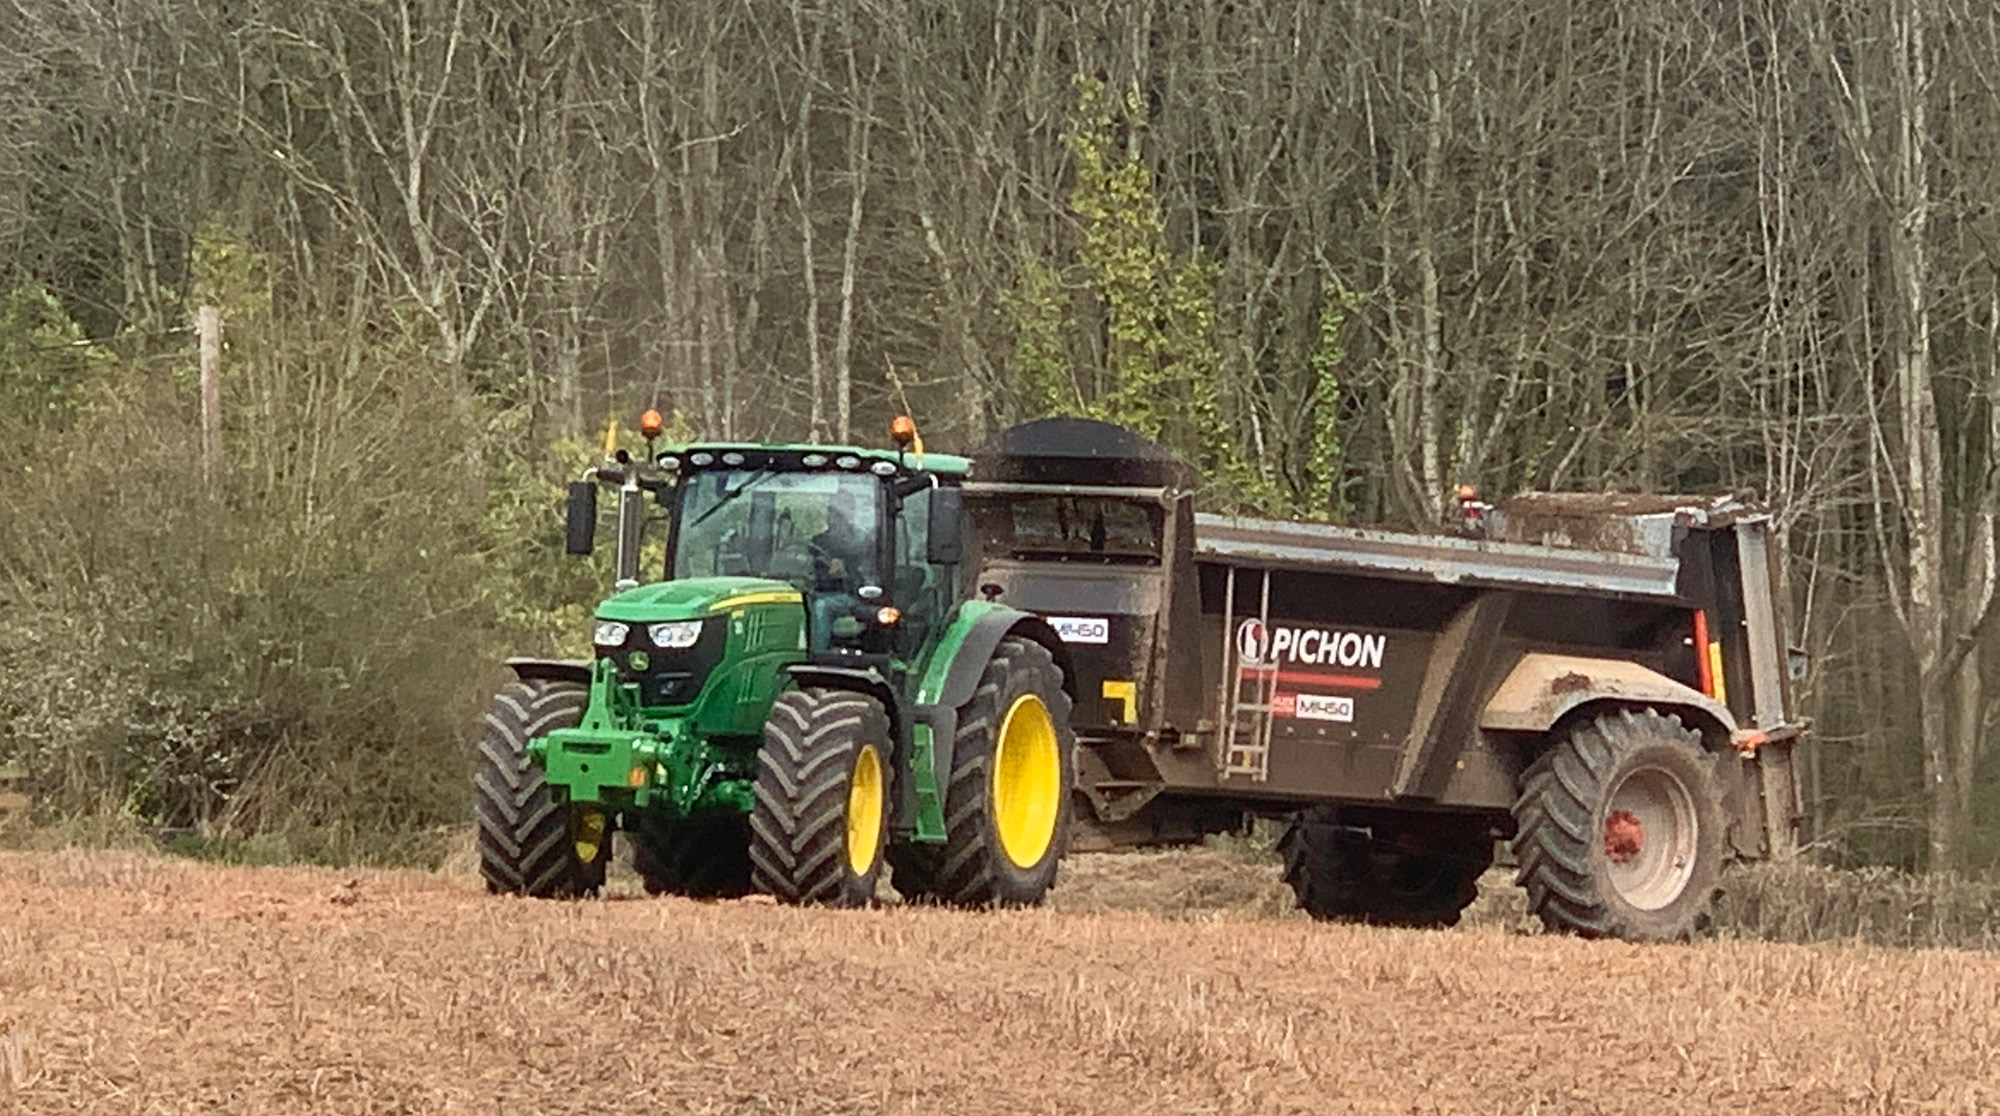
[(133, 983)]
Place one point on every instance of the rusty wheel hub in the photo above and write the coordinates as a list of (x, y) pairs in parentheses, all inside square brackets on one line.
[(1651, 836), (1624, 837)]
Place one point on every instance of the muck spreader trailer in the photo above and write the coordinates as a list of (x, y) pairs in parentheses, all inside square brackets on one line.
[(1601, 680), (810, 691)]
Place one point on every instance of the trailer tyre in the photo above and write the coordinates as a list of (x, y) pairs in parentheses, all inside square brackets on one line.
[(1620, 830), (1336, 873), (820, 820), (529, 843), (1007, 804), (707, 859)]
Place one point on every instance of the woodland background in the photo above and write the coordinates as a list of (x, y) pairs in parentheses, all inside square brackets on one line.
[(1345, 254)]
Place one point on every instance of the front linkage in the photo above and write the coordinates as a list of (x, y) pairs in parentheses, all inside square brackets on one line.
[(616, 760)]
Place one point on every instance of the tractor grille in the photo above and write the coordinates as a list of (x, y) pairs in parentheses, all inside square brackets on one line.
[(672, 677)]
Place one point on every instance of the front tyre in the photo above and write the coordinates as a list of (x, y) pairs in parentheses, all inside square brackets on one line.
[(1620, 830), (529, 844), (820, 820), (1007, 805)]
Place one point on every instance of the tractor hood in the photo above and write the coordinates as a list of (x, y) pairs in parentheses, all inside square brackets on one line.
[(694, 597)]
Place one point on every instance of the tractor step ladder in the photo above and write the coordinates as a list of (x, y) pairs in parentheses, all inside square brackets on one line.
[(1251, 689)]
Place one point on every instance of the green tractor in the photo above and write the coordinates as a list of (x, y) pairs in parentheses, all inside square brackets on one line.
[(811, 690)]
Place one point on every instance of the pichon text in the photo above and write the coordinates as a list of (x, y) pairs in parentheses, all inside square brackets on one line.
[(1277, 643)]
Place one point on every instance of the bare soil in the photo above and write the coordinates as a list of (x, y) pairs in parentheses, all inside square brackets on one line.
[(137, 983)]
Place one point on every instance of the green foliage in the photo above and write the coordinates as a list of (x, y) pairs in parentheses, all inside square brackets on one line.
[(1161, 358), (228, 272), (531, 589), (1123, 256), (1042, 331), (45, 360), (1161, 366), (1161, 369), (1322, 494)]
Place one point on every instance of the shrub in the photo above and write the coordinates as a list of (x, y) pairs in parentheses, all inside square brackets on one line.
[(299, 649)]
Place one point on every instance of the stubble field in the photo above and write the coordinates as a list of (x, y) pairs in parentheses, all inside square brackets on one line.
[(137, 983)]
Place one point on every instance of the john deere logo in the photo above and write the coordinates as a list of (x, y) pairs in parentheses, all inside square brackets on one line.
[(1252, 639)]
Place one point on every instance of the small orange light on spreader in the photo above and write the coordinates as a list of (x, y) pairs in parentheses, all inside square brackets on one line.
[(888, 616), (636, 777), (1467, 493), (903, 429), (650, 423)]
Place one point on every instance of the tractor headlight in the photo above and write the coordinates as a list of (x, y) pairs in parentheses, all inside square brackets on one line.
[(675, 636), (610, 633)]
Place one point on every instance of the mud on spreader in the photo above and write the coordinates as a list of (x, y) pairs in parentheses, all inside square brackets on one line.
[(858, 657)]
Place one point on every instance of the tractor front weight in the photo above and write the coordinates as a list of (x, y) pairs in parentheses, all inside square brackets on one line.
[(616, 759)]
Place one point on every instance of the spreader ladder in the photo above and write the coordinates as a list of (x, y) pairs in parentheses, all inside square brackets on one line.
[(1247, 702)]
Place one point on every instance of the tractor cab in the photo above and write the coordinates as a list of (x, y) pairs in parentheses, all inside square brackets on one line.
[(854, 539), (865, 539)]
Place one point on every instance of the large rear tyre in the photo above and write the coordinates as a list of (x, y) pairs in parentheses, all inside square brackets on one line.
[(1341, 873), (529, 844), (821, 815), (1007, 804), (705, 859), (1620, 830)]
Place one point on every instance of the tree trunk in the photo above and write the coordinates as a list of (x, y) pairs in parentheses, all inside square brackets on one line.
[(861, 115), (1430, 399), (802, 197)]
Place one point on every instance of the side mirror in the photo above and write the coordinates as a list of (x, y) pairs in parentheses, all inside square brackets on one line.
[(945, 546), (580, 515)]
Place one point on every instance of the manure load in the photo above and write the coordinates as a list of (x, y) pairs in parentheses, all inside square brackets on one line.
[(1599, 680)]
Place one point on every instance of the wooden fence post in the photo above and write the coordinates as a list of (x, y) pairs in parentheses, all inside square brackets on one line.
[(208, 327)]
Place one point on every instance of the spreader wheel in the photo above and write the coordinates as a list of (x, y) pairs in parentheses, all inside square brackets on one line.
[(529, 844), (1341, 872), (1007, 805), (821, 816), (1620, 829)]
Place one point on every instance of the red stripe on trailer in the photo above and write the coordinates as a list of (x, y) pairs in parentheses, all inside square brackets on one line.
[(1307, 678)]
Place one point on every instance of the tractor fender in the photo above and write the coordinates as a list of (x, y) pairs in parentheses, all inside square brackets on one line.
[(968, 662), (551, 670), (861, 680), (869, 681), (1543, 689)]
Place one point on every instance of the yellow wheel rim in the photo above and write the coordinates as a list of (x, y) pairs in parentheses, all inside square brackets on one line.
[(864, 811), (587, 833), (1027, 781)]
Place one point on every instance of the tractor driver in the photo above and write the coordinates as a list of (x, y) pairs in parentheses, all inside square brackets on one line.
[(839, 557)]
